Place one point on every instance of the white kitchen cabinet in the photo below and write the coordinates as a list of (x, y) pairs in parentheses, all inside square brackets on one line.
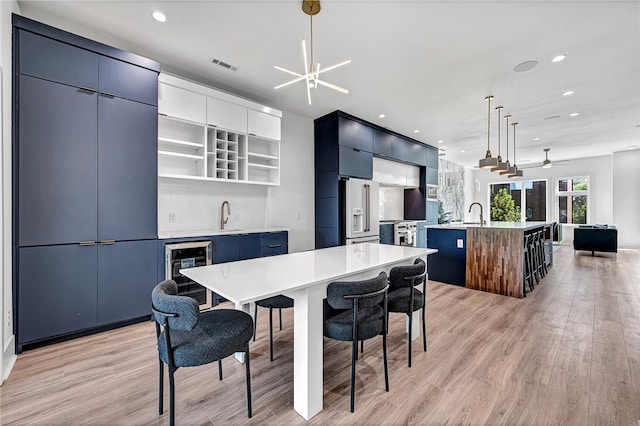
[(413, 175), (395, 173), (226, 115), (204, 134), (181, 103), (263, 125)]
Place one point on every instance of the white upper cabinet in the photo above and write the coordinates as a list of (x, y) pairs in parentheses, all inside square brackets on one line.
[(181, 103), (395, 173), (226, 115), (263, 125), (413, 175)]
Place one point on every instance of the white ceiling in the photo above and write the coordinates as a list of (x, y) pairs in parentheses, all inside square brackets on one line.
[(427, 65)]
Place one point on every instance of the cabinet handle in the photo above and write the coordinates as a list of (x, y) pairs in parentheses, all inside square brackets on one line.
[(106, 242), (252, 134), (107, 94), (275, 245), (88, 89), (162, 114), (356, 149), (87, 243)]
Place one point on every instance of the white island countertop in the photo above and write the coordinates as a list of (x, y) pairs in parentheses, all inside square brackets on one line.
[(214, 232)]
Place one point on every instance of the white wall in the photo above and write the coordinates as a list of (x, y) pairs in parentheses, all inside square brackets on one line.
[(292, 203), (7, 352), (599, 170), (626, 197)]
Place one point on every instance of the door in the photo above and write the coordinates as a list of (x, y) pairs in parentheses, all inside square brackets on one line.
[(127, 273), (361, 208), (57, 178), (128, 170), (57, 293)]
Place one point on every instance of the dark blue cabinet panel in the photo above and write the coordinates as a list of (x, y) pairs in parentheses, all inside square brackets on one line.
[(328, 237), (128, 81), (274, 243), (355, 135), (127, 272), (127, 171), (326, 158), (327, 214), (432, 176), (226, 248), (249, 246), (355, 163), (409, 151), (448, 265), (57, 175), (56, 61), (382, 143), (386, 233), (432, 157), (57, 293)]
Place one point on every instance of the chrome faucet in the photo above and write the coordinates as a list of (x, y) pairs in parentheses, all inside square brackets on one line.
[(224, 221), (481, 218)]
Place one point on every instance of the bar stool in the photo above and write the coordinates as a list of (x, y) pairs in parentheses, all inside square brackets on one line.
[(539, 252), (528, 275), (542, 255), (534, 257)]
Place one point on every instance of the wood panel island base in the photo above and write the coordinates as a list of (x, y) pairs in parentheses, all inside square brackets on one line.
[(494, 254)]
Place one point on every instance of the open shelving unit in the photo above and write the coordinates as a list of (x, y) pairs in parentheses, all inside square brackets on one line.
[(180, 147)]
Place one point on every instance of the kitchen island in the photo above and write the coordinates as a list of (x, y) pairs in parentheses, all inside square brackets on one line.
[(491, 255)]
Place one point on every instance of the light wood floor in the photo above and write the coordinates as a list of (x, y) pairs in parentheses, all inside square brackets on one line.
[(567, 354)]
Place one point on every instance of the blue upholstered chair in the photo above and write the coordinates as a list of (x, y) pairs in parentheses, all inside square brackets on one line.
[(188, 337), (278, 302), (403, 297), (358, 311)]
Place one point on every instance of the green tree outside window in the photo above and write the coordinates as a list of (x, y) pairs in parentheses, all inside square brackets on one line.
[(503, 208)]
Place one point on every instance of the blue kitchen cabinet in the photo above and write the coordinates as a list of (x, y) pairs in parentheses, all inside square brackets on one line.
[(386, 233), (431, 176), (128, 81), (127, 170), (432, 212), (382, 143), (127, 273), (421, 235), (274, 243), (448, 265), (355, 134), (230, 248), (53, 60), (57, 292), (355, 163), (432, 157), (57, 176)]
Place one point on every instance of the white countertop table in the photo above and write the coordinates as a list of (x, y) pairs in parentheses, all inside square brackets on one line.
[(303, 276)]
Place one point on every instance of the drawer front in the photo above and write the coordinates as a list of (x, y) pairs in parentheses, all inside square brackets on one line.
[(128, 81), (274, 239), (273, 250), (355, 163)]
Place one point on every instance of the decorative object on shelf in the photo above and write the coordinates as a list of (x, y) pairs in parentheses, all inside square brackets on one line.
[(517, 173), (488, 162), (432, 192), (501, 165), (509, 170), (504, 209), (312, 71)]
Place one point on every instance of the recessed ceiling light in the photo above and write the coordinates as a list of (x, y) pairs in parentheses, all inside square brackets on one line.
[(559, 58), (440, 141), (462, 150), (633, 147), (567, 93), (159, 16), (381, 116), (551, 117), (416, 131), (536, 139), (574, 114), (525, 66)]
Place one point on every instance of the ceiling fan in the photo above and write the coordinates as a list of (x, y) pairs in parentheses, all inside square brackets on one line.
[(546, 164)]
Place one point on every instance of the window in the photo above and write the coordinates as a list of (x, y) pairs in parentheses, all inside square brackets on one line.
[(532, 201), (573, 200)]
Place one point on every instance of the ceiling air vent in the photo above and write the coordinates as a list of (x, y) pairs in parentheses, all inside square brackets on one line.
[(223, 64)]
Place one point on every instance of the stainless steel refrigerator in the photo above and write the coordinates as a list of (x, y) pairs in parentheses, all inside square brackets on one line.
[(361, 209)]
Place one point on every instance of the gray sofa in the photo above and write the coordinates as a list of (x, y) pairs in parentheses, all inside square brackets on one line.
[(602, 238)]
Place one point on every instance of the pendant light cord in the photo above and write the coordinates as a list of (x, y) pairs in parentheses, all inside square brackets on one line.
[(499, 109), (311, 50), (514, 141), (507, 117)]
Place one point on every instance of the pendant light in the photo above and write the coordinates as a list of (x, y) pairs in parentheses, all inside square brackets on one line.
[(518, 173), (501, 166), (488, 162), (509, 170)]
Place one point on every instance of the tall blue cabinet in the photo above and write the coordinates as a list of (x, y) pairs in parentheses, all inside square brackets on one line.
[(84, 184)]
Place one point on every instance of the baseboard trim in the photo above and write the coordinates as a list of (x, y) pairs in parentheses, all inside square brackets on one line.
[(9, 359)]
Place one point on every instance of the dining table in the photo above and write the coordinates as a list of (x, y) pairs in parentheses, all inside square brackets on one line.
[(303, 276)]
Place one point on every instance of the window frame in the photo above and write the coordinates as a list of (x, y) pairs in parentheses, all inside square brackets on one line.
[(523, 196), (572, 193)]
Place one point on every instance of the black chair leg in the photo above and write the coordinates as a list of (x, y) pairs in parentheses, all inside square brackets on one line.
[(280, 317), (424, 329), (386, 370), (255, 322), (270, 333), (354, 354), (361, 346), (160, 387), (220, 369), (409, 337), (172, 402), (247, 361)]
